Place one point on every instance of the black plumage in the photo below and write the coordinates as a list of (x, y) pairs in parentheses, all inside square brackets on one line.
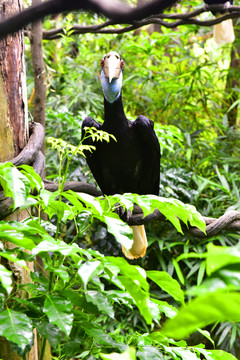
[(218, 2), (130, 164)]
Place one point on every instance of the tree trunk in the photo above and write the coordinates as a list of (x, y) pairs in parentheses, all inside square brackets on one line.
[(39, 71), (40, 86), (14, 125), (13, 105)]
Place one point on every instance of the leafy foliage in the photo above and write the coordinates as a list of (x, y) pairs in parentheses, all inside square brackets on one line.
[(85, 291), (95, 306)]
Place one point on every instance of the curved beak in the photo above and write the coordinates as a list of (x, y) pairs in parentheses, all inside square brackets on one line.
[(112, 66)]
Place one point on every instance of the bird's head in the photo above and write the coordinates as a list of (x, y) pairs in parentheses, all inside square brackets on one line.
[(111, 75)]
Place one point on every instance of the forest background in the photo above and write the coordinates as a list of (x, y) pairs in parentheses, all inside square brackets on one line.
[(93, 303)]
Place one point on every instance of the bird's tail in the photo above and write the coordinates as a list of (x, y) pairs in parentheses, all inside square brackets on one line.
[(224, 32), (139, 246)]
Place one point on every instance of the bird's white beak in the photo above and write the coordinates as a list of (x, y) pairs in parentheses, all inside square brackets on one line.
[(112, 66)]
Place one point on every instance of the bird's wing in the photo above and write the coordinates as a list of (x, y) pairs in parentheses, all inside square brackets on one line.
[(151, 154)]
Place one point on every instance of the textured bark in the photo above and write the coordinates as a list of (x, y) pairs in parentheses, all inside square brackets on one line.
[(13, 108), (14, 134), (39, 70)]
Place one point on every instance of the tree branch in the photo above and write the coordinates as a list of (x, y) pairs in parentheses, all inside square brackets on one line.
[(165, 20), (119, 13), (110, 8)]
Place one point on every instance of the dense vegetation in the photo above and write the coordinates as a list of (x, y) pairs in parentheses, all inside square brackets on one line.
[(93, 303)]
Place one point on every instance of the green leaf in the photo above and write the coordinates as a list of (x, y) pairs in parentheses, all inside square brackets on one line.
[(13, 258), (16, 327), (223, 279), (35, 180), (118, 228), (149, 353), (169, 310), (129, 354), (57, 246), (101, 301), (207, 335), (6, 278), (21, 234), (140, 296), (185, 354), (50, 332), (61, 271), (172, 209), (99, 335), (167, 283), (59, 312), (178, 271), (219, 256), (89, 269), (221, 355), (14, 184), (48, 197), (218, 306), (89, 201), (134, 272)]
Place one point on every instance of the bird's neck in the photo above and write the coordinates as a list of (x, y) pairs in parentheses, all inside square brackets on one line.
[(114, 114)]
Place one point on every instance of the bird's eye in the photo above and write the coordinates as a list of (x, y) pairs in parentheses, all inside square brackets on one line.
[(102, 62), (122, 64), (117, 56)]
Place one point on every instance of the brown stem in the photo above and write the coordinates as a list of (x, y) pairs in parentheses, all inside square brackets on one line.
[(39, 72)]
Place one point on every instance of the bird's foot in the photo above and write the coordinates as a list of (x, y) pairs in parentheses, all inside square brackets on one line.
[(122, 213), (226, 5)]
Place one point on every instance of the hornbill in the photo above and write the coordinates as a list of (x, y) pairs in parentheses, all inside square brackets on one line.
[(223, 32), (132, 162)]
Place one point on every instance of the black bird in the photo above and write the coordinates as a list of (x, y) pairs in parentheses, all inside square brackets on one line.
[(223, 32), (130, 164)]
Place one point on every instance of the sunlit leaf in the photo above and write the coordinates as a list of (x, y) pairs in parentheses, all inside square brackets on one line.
[(57, 246), (218, 306), (101, 301), (88, 269), (16, 327), (59, 312), (167, 283), (21, 234), (140, 297), (129, 354), (34, 179), (14, 184), (134, 272), (121, 231), (219, 256), (6, 278)]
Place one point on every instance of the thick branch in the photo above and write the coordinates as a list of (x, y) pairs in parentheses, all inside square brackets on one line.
[(181, 19), (74, 186), (118, 12), (31, 150), (111, 8)]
